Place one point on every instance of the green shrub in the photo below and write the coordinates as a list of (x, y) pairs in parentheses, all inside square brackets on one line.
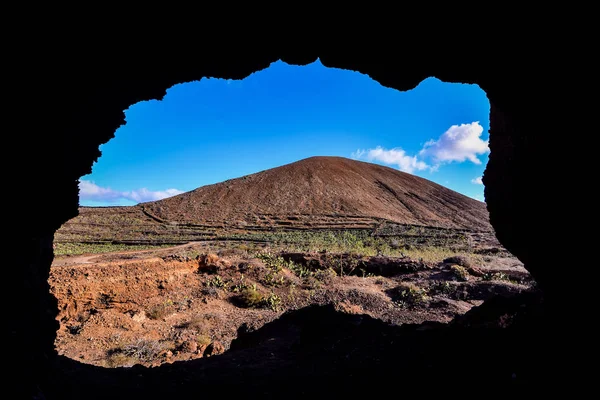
[(250, 298), (203, 340), (442, 287), (409, 294), (325, 275), (459, 272), (217, 282), (272, 301), (496, 276)]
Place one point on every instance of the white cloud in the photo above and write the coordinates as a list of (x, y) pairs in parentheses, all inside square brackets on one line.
[(142, 195), (477, 181), (88, 190), (358, 154), (395, 156), (459, 143)]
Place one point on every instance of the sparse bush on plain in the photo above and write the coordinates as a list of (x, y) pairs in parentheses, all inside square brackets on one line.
[(203, 340), (459, 272), (210, 291), (160, 311), (409, 295), (495, 276), (143, 349), (217, 282), (272, 301), (240, 285), (140, 350), (274, 279), (116, 359), (463, 261), (197, 323), (442, 287), (276, 263), (326, 276), (250, 298)]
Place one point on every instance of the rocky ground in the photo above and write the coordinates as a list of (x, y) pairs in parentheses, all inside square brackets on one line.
[(176, 304)]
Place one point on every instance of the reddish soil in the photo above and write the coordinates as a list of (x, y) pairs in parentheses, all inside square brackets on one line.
[(323, 192), (155, 307)]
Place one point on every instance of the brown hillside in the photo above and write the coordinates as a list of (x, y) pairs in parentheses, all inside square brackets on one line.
[(323, 192)]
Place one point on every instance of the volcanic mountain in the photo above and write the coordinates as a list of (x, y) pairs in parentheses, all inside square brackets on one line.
[(322, 192)]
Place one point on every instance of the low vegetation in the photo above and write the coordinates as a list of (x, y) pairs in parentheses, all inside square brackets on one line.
[(409, 295), (98, 231), (187, 302), (77, 248), (160, 311), (182, 292)]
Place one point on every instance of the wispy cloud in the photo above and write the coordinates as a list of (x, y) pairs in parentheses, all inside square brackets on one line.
[(459, 143), (88, 190), (395, 156), (477, 181)]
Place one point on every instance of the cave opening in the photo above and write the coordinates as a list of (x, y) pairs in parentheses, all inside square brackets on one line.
[(519, 121), (203, 284)]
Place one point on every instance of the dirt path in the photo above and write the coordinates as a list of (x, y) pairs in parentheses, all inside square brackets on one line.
[(63, 261)]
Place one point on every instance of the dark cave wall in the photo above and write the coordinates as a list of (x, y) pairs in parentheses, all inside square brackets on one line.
[(92, 110)]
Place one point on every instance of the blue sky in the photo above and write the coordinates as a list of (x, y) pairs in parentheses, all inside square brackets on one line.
[(212, 130)]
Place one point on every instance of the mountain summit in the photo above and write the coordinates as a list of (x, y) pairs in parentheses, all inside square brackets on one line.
[(323, 192)]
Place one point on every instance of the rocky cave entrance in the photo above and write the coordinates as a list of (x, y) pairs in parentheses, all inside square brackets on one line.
[(514, 182), (153, 306)]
